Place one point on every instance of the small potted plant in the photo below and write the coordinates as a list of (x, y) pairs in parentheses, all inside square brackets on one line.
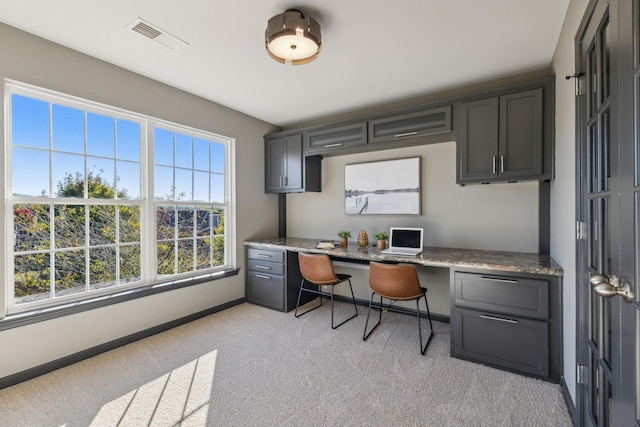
[(381, 237), (344, 236)]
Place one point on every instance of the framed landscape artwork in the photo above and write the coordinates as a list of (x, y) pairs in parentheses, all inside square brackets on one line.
[(383, 187)]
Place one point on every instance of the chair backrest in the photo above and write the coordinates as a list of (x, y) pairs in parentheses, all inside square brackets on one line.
[(394, 281), (317, 268)]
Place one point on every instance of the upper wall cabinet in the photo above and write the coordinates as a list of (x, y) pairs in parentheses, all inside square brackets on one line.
[(336, 139), (502, 138), (410, 125), (286, 169)]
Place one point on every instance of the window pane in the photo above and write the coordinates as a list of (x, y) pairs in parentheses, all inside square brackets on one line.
[(68, 175), (130, 263), (69, 226), (102, 268), (185, 256), (70, 272), (185, 221), (184, 151), (100, 135), (102, 225), (164, 188), (101, 173), (217, 157), (129, 224), (204, 219), (201, 154), (35, 182), (31, 227), (217, 221), (128, 141), (128, 180), (217, 188), (166, 258), (32, 280), (203, 254), (183, 184), (165, 222), (218, 251), (201, 186), (29, 122), (163, 147), (67, 129)]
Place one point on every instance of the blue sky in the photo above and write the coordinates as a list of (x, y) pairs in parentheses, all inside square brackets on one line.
[(112, 150)]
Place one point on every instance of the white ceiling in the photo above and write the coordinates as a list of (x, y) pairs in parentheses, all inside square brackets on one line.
[(374, 51)]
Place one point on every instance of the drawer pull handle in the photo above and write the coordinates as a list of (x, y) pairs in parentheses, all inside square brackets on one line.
[(263, 276), (264, 256), (263, 267), (400, 135), (499, 319), (495, 279), (337, 144)]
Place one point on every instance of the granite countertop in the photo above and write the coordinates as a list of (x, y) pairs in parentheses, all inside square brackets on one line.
[(519, 262)]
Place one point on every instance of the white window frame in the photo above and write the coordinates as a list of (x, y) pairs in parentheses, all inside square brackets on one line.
[(149, 276)]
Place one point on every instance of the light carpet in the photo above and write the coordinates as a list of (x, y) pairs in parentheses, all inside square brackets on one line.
[(251, 366)]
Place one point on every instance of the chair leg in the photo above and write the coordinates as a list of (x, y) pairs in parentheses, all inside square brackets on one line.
[(332, 304), (298, 302), (365, 335), (423, 349)]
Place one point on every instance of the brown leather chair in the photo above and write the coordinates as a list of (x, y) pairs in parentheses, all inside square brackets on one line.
[(397, 282), (317, 269)]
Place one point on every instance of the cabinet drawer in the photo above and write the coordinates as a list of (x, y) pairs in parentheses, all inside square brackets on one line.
[(265, 267), (265, 255), (336, 139), (503, 294), (420, 123), (266, 290), (510, 342)]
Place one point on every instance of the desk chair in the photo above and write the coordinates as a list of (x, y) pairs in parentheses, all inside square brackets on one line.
[(317, 269), (397, 282)]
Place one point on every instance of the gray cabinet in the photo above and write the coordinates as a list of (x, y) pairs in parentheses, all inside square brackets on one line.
[(410, 125), (336, 139), (286, 169), (273, 279), (507, 321), (501, 138)]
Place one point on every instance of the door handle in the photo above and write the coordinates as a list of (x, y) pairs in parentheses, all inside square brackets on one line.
[(610, 286)]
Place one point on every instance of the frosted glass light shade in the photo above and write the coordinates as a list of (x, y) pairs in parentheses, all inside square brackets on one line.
[(292, 38)]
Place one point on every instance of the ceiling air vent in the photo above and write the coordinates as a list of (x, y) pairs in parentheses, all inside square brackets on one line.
[(154, 33)]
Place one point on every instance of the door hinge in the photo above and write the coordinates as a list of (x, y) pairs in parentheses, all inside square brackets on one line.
[(581, 230), (581, 374), (579, 82)]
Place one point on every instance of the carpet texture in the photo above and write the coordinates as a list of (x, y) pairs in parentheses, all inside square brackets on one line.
[(251, 366)]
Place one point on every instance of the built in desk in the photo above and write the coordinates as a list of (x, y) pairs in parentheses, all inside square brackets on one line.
[(506, 307)]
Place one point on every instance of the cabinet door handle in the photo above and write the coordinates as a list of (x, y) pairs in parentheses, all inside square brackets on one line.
[(285, 180), (263, 256), (496, 279), (499, 319), (262, 267), (263, 276), (337, 144), (493, 163), (501, 164), (400, 135)]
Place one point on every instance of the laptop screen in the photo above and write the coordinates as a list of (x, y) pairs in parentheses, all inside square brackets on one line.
[(405, 238)]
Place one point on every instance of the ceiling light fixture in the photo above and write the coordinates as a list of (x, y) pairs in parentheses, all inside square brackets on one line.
[(292, 38)]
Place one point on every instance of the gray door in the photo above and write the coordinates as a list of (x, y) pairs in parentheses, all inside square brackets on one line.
[(607, 194)]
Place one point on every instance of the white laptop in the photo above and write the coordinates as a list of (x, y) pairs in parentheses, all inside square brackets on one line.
[(405, 241)]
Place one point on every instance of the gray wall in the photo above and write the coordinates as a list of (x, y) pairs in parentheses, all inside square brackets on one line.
[(496, 217), (563, 187), (32, 60)]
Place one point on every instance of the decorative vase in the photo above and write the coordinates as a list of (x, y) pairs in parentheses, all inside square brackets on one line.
[(382, 244), (363, 238), (344, 242)]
